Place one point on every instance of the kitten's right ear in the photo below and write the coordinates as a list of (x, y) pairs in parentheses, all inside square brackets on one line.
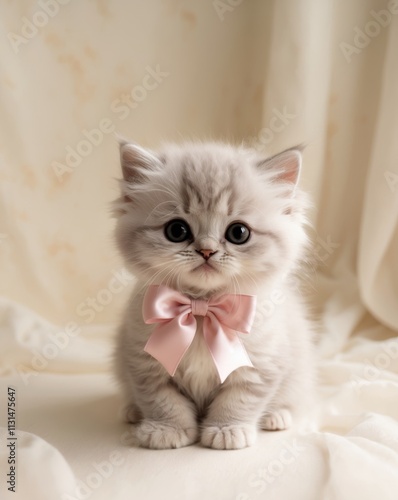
[(136, 162)]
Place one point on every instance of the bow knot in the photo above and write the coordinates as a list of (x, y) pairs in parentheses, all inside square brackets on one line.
[(174, 315), (199, 307)]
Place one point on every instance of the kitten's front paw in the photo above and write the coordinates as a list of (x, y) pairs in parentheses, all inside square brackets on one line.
[(160, 435), (276, 421), (229, 437)]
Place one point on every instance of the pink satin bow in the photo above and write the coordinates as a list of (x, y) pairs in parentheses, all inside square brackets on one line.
[(175, 313)]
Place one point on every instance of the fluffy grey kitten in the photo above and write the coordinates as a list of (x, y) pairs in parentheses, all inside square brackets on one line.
[(207, 219)]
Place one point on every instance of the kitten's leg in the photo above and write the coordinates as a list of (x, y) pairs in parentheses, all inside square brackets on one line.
[(131, 413), (232, 418), (294, 398), (169, 418), (169, 421)]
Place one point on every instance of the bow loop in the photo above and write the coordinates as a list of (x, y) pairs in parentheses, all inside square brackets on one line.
[(235, 311), (224, 317), (162, 303)]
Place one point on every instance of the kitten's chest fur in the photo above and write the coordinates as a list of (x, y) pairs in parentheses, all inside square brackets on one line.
[(196, 375)]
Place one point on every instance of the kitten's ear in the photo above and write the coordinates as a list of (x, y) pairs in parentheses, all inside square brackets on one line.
[(135, 161), (286, 165)]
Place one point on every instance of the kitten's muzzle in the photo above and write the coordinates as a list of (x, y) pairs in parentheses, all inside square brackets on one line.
[(206, 253)]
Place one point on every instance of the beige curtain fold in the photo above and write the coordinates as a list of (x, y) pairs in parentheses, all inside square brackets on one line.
[(378, 245)]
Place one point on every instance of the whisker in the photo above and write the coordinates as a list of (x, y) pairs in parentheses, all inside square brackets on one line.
[(249, 275), (153, 278)]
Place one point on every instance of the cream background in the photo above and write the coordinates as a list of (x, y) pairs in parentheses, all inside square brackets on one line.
[(226, 77)]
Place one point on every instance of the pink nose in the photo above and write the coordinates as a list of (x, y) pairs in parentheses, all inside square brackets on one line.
[(206, 253)]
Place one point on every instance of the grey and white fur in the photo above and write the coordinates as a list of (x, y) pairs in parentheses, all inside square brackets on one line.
[(210, 186)]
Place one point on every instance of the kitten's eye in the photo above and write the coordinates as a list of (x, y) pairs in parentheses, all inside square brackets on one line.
[(177, 231), (237, 233)]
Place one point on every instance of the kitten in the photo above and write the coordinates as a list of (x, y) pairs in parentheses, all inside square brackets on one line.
[(210, 219)]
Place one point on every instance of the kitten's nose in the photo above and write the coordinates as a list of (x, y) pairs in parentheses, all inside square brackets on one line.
[(206, 253)]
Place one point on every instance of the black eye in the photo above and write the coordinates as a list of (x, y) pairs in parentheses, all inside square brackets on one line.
[(237, 233), (177, 230)]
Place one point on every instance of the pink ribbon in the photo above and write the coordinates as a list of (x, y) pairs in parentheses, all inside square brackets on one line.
[(174, 313)]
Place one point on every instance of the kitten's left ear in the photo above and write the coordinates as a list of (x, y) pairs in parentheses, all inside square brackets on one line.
[(286, 165)]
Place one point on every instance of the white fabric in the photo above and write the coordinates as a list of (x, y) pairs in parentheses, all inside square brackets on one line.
[(274, 73)]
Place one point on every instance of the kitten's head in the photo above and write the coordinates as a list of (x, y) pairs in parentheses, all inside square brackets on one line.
[(207, 218)]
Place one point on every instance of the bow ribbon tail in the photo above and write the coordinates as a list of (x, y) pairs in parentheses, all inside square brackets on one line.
[(170, 340), (225, 347)]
